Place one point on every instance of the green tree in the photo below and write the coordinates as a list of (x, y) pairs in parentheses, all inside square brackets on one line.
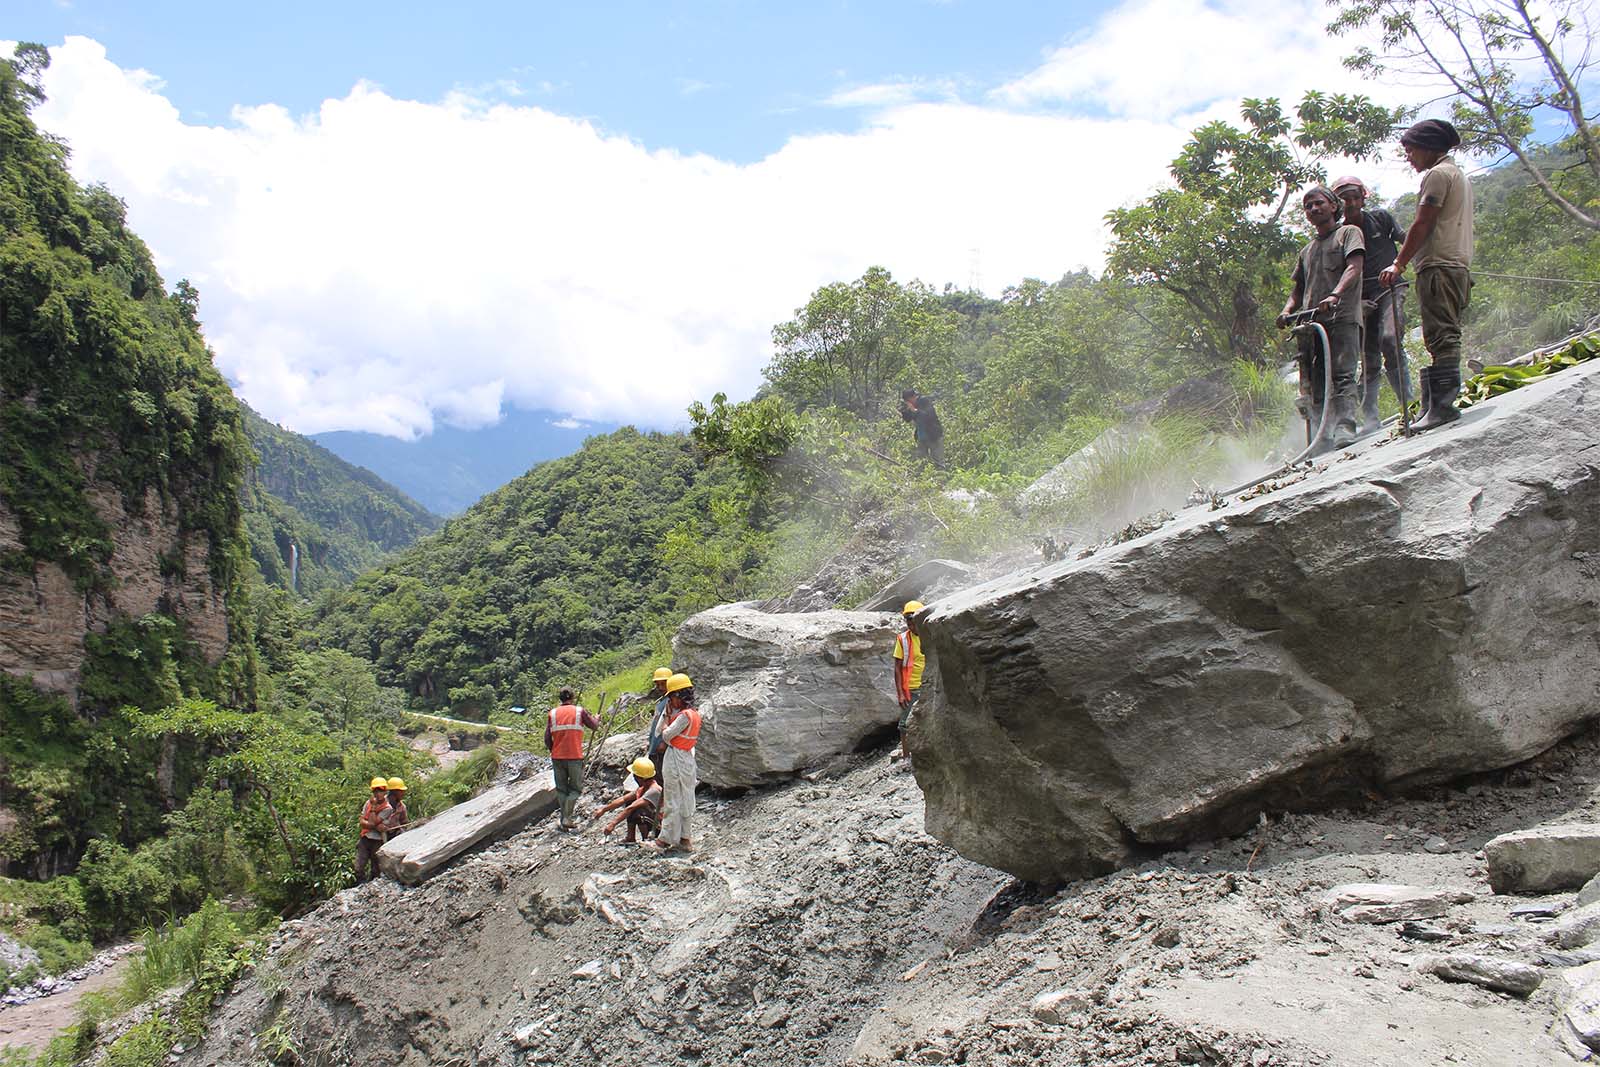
[(851, 341), (1217, 244), (1507, 64)]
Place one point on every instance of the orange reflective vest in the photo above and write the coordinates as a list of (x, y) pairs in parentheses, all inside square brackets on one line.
[(566, 732), (905, 650), (691, 733)]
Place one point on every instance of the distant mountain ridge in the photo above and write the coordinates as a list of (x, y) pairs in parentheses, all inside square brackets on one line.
[(315, 520), (450, 469)]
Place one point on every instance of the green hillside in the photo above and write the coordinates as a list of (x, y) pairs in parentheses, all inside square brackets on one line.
[(534, 579), (339, 519)]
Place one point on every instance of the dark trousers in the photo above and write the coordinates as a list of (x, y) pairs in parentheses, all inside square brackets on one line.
[(1344, 339), (367, 859), (569, 785), (1442, 297), (645, 823), (1380, 345)]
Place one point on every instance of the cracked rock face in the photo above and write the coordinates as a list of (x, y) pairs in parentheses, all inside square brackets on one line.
[(1416, 611), (784, 692)]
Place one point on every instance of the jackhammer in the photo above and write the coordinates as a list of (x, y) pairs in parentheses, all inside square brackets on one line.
[(1302, 322)]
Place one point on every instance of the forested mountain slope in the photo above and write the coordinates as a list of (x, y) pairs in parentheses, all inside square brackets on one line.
[(315, 520), (122, 560), (535, 578)]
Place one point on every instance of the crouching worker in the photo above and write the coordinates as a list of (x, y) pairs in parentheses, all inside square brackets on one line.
[(680, 734), (398, 821), (641, 807), (1327, 279), (374, 814)]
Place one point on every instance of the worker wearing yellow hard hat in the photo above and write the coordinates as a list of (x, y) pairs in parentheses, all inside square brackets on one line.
[(908, 665), (680, 734), (373, 814), (641, 805), (398, 818), (658, 693)]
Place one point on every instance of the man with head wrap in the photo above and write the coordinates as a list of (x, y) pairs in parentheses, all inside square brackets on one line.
[(1440, 241), (1327, 277), (1382, 309)]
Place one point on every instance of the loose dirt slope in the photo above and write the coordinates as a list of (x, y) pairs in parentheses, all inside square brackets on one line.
[(820, 925)]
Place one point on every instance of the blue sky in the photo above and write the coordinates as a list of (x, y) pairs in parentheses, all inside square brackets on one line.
[(402, 214), (732, 79)]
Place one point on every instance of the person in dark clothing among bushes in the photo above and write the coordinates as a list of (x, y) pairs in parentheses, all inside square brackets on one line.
[(918, 410)]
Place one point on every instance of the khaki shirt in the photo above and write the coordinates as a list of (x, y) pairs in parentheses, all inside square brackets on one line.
[(1450, 243), (1321, 264)]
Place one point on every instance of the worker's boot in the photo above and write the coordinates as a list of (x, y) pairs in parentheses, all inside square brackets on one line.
[(1344, 421), (1441, 385)]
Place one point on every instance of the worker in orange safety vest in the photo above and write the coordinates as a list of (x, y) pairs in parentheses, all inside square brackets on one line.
[(680, 734), (908, 665), (373, 814), (563, 736)]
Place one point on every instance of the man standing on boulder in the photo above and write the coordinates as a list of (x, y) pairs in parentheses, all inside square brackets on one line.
[(908, 665), (373, 813), (563, 736), (680, 734), (1328, 277), (1441, 242), (1382, 307)]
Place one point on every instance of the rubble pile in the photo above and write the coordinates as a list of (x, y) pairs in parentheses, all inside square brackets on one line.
[(819, 924)]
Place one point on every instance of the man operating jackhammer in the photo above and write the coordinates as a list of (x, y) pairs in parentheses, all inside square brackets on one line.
[(1327, 277), (680, 734)]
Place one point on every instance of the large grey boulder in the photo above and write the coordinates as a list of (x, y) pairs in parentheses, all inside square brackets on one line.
[(783, 692), (1411, 612), (500, 810), (1545, 859)]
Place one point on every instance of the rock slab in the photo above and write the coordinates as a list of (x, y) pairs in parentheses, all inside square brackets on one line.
[(927, 581), (502, 809), (1545, 859), (1504, 976), (1378, 903), (1347, 632), (783, 692)]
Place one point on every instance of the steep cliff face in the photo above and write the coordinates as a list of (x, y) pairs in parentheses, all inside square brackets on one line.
[(122, 454), (155, 567)]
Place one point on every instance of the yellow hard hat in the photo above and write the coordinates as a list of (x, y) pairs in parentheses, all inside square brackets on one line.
[(677, 682), (643, 768), (912, 607), (662, 674), (379, 783), (397, 785)]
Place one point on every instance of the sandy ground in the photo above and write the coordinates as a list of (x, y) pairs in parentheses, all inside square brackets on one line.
[(32, 1025), (818, 924)]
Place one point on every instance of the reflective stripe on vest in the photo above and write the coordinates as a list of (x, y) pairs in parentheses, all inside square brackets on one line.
[(686, 740), (566, 732)]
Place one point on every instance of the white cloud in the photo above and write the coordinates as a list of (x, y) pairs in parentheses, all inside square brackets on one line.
[(381, 263), (568, 423)]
